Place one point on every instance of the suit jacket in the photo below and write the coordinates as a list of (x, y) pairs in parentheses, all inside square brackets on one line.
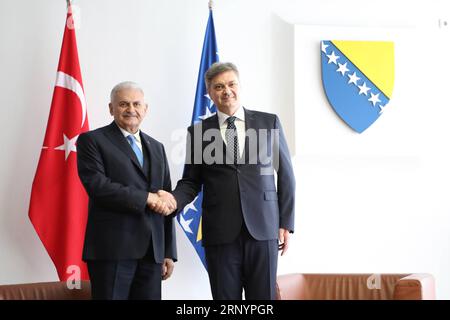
[(120, 225), (239, 193)]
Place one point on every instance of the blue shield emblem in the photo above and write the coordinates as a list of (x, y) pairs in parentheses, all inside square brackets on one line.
[(358, 79)]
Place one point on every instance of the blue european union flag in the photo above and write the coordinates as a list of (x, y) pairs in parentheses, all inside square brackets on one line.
[(191, 217)]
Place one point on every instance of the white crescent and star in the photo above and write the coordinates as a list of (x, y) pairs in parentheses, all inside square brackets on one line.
[(66, 81), (68, 146)]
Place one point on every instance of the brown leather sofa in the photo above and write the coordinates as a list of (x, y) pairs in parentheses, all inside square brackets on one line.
[(45, 291), (297, 286)]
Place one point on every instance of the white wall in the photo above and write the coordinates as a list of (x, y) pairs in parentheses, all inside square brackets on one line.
[(158, 43), (374, 202)]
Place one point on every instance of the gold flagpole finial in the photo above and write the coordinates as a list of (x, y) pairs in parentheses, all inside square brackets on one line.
[(210, 4)]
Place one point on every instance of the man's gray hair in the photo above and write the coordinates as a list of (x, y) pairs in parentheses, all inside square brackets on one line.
[(218, 68), (124, 85)]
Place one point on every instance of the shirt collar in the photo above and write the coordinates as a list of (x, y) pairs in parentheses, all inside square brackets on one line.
[(239, 114), (126, 134)]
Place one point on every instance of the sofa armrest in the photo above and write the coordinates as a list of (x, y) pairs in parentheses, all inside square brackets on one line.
[(290, 287), (45, 291), (416, 286)]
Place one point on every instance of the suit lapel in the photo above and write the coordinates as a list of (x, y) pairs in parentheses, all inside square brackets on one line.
[(117, 138), (213, 123), (249, 124), (152, 157)]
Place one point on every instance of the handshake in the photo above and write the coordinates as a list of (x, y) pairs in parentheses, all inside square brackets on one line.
[(162, 202)]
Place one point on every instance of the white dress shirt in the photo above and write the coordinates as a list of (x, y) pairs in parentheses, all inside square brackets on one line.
[(136, 135), (240, 126)]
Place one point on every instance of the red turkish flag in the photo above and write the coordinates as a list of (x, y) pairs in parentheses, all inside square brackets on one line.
[(58, 204)]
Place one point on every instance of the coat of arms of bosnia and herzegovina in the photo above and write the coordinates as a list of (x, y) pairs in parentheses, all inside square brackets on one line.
[(358, 79)]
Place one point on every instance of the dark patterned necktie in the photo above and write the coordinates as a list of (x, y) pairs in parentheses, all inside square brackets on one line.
[(232, 139)]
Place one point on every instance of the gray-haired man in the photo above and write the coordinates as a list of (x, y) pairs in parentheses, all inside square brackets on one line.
[(128, 247)]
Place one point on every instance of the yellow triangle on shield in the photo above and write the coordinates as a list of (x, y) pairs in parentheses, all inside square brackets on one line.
[(374, 58)]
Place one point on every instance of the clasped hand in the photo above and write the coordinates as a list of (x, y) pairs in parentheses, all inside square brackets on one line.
[(162, 202)]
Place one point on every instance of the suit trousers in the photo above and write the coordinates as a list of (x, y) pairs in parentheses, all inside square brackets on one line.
[(244, 264), (133, 279)]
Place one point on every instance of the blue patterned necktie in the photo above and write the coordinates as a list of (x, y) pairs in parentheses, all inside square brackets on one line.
[(131, 139), (232, 139)]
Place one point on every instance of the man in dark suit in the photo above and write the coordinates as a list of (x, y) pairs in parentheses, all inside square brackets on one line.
[(128, 247), (234, 155)]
